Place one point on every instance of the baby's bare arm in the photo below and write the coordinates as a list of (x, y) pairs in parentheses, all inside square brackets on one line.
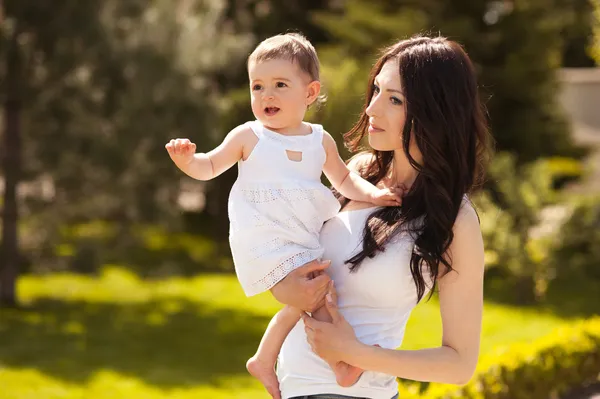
[(349, 183), (207, 166)]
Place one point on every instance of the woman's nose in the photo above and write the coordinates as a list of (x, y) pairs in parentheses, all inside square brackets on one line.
[(373, 109)]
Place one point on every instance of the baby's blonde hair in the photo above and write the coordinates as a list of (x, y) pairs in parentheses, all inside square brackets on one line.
[(293, 47)]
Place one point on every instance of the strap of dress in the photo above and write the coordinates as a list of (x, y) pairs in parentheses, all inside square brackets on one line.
[(317, 133), (256, 127)]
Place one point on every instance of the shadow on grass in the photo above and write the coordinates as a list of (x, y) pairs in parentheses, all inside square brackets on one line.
[(166, 343)]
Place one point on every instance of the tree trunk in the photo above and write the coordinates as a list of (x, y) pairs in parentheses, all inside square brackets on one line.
[(9, 262)]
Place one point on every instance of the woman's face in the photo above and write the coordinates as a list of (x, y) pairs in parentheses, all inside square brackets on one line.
[(387, 112)]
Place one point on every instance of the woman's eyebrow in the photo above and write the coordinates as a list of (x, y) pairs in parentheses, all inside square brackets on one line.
[(395, 91), (389, 90)]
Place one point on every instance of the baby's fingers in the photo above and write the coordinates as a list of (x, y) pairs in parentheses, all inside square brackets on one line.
[(393, 199), (180, 145), (398, 193), (170, 146), (187, 147), (191, 148)]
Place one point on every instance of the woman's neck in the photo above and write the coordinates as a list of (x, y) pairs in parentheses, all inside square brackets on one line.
[(402, 172)]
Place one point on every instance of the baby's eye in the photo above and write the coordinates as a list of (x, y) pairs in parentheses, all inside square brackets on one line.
[(396, 101), (281, 84), (256, 87)]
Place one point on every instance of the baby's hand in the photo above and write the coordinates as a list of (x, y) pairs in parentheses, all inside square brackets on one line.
[(181, 151), (388, 197)]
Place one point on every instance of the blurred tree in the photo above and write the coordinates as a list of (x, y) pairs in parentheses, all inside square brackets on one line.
[(104, 86), (578, 34), (12, 81), (516, 47), (139, 77), (255, 20), (259, 19), (595, 45)]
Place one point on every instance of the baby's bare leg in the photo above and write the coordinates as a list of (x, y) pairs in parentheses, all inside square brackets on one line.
[(345, 374), (262, 364)]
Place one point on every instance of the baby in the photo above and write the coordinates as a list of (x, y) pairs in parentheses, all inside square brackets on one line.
[(278, 204)]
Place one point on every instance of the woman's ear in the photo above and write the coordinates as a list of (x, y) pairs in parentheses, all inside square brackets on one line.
[(312, 92)]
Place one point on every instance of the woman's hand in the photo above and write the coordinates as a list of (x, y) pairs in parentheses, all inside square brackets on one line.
[(305, 287), (330, 341)]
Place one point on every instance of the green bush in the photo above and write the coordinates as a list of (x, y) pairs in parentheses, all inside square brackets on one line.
[(149, 250), (564, 170), (577, 251), (565, 359), (509, 209)]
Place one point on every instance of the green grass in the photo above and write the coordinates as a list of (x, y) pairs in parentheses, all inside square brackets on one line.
[(117, 336)]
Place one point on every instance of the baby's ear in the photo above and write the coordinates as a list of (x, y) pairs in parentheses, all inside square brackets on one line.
[(314, 88)]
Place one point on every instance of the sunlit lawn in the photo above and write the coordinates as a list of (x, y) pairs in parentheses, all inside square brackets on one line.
[(119, 337)]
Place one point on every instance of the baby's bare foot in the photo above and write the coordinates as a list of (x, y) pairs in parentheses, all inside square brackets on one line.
[(346, 375), (265, 374)]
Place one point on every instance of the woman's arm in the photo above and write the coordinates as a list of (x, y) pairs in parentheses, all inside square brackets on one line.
[(461, 304), (349, 183), (238, 142)]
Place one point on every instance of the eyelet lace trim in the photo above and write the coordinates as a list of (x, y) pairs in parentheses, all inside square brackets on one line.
[(273, 194), (282, 270)]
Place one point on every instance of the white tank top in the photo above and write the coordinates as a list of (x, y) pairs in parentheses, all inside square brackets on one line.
[(376, 300)]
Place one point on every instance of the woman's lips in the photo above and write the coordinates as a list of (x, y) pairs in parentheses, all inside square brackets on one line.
[(374, 129)]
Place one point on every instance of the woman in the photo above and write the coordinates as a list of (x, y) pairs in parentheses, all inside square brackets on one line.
[(428, 134)]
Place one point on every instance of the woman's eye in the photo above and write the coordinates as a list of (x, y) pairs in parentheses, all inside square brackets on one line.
[(375, 89), (256, 87), (281, 84), (396, 101)]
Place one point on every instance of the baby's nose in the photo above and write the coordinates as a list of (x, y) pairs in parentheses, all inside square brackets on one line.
[(268, 94)]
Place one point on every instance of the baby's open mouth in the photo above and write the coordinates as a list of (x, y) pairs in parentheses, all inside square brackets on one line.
[(270, 111)]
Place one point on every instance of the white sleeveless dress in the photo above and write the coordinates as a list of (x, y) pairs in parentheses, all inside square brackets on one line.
[(277, 208)]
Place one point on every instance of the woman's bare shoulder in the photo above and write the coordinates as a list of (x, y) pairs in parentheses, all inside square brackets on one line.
[(360, 160), (467, 216)]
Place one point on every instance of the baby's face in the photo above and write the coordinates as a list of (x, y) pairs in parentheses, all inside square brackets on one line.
[(280, 93)]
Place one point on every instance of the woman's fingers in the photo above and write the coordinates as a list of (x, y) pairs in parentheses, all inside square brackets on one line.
[(311, 267), (318, 288), (332, 308), (333, 291), (310, 325), (307, 320)]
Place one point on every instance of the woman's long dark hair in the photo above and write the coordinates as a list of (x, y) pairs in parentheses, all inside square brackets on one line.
[(445, 117)]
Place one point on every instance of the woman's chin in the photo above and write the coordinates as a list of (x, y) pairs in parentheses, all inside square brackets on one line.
[(376, 145)]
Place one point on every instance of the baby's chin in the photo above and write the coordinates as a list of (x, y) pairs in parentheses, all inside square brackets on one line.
[(272, 123)]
